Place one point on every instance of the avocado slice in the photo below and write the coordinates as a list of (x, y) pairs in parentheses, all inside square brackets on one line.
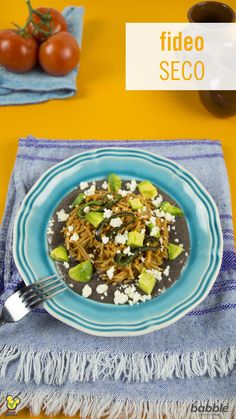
[(146, 282), (174, 251), (82, 272), (147, 189), (60, 254), (167, 207), (94, 218), (78, 200), (135, 239), (114, 183), (135, 203)]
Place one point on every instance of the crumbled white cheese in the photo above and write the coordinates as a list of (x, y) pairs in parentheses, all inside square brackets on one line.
[(152, 220), (176, 240), (154, 231), (50, 231), (143, 231), (109, 196), (181, 245), (173, 227), (83, 185), (134, 296), (166, 272), (102, 288), (120, 297), (121, 238), (166, 215), (123, 193), (157, 274), (132, 185), (102, 297), (70, 228), (105, 239), (62, 216), (110, 272), (74, 237), (157, 202), (90, 191), (142, 259), (146, 297), (127, 251), (159, 214), (169, 217), (129, 290), (104, 185), (86, 209), (66, 264), (86, 291), (107, 213), (116, 222), (186, 253)]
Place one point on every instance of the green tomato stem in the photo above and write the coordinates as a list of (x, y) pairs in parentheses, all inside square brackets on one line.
[(45, 17)]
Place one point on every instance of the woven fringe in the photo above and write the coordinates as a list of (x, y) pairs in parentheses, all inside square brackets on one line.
[(54, 402), (59, 367)]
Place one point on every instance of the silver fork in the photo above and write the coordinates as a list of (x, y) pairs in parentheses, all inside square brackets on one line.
[(23, 301)]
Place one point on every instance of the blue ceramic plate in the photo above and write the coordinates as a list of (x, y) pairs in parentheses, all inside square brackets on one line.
[(198, 276)]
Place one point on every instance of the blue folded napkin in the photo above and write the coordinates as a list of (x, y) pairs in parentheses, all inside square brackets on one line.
[(173, 371), (37, 86)]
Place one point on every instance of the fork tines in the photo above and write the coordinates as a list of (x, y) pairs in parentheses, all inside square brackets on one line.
[(39, 291)]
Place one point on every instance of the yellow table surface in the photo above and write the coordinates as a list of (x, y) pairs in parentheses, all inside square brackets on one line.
[(102, 108)]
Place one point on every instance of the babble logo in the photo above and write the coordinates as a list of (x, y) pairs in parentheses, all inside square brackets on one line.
[(12, 403), (209, 408)]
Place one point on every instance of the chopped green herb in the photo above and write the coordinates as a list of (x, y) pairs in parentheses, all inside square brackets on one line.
[(112, 232), (78, 200)]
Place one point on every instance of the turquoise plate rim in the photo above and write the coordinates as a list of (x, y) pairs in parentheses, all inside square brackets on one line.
[(85, 319)]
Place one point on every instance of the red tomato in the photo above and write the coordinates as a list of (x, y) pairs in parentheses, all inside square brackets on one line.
[(59, 54), (17, 53), (55, 25)]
